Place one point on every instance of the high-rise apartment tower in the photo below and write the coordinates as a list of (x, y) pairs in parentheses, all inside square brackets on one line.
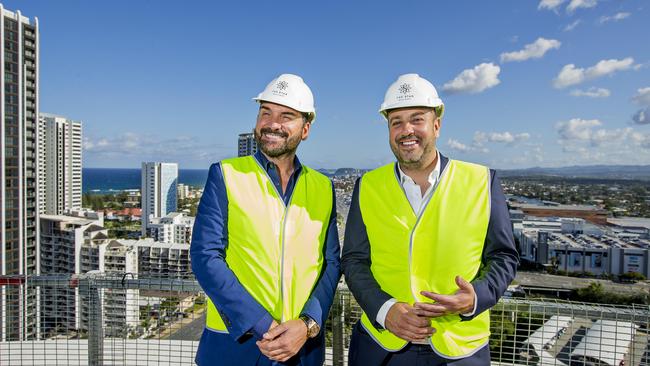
[(158, 189), (19, 249)]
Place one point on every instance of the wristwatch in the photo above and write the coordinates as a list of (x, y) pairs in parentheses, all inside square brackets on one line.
[(312, 327)]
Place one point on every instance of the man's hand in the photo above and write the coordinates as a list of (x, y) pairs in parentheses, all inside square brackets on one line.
[(274, 324), (402, 321), (461, 302), (283, 341)]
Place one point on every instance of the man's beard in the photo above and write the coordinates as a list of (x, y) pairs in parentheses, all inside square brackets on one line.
[(413, 161), (289, 146)]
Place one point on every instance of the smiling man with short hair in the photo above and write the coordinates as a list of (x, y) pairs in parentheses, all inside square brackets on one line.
[(265, 246), (428, 244)]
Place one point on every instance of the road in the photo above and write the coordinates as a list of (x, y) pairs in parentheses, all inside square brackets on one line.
[(536, 279), (188, 329)]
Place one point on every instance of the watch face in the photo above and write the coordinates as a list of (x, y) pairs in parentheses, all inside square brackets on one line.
[(313, 329)]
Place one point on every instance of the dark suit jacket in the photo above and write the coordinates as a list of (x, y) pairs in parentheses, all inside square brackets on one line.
[(500, 257), (247, 319)]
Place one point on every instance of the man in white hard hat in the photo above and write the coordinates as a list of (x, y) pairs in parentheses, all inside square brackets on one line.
[(428, 244), (265, 246)]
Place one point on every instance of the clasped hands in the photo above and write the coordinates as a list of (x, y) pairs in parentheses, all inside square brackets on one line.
[(283, 341), (413, 323)]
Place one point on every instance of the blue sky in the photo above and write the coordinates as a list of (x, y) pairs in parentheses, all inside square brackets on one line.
[(525, 83)]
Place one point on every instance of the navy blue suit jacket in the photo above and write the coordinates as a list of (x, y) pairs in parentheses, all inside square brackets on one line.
[(247, 319), (499, 260)]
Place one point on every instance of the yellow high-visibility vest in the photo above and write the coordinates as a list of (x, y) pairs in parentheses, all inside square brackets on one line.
[(411, 253), (275, 250)]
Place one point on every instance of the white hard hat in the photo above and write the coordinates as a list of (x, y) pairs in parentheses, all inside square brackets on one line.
[(290, 91), (410, 90)]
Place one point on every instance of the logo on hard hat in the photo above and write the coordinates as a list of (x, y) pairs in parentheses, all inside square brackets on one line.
[(404, 88), (280, 88), (282, 85)]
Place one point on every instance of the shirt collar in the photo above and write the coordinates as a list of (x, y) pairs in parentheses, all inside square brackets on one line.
[(268, 165), (435, 173)]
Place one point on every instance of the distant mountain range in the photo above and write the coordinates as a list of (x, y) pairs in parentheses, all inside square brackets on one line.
[(641, 172), (342, 171)]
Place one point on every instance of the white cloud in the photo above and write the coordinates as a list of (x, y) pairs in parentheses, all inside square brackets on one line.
[(588, 142), (579, 130), (605, 67), (458, 146), (642, 97), (475, 80), (591, 93), (536, 153), (601, 136), (576, 4), (576, 129), (571, 75), (131, 146), (549, 4), (87, 144), (642, 116), (481, 138), (575, 149), (641, 139), (613, 18), (573, 5), (536, 49), (499, 137), (572, 26)]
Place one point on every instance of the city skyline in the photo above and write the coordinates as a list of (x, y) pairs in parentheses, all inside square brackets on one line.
[(543, 83)]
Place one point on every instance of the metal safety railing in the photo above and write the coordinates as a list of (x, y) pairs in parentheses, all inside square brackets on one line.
[(123, 319)]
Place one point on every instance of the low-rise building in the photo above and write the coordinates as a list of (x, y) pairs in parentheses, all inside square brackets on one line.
[(67, 242), (574, 245), (592, 214), (176, 227)]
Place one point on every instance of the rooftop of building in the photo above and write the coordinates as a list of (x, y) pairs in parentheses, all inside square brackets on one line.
[(73, 220), (583, 235), (14, 15), (630, 222), (56, 117), (558, 207), (148, 242)]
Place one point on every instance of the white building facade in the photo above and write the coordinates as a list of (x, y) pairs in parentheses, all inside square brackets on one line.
[(70, 244), (176, 227), (60, 157), (158, 191)]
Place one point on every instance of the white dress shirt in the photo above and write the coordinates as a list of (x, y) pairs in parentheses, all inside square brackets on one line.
[(417, 200)]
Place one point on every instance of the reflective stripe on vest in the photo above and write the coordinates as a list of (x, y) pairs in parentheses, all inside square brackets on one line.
[(276, 251), (411, 253)]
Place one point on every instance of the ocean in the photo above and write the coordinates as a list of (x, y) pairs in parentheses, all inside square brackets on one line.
[(102, 180)]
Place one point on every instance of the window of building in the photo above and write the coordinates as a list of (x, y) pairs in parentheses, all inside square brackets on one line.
[(10, 56), (11, 88), (10, 77)]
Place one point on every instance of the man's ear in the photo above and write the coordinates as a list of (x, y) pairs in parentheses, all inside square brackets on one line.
[(305, 130)]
